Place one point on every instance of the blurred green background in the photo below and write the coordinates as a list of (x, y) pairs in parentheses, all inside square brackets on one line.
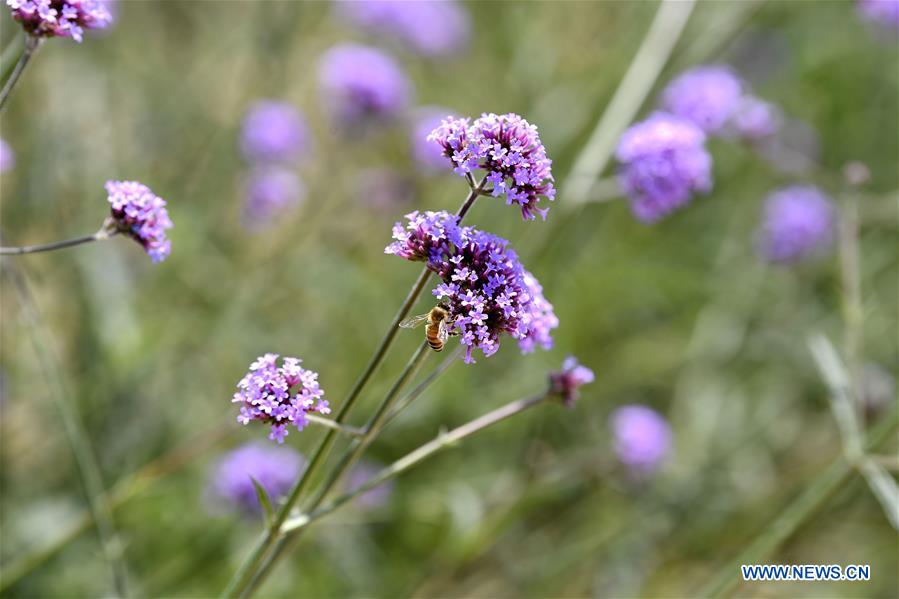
[(680, 316)]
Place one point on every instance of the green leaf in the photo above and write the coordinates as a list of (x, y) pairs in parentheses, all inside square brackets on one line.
[(264, 501)]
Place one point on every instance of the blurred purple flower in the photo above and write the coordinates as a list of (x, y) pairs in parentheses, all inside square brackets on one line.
[(59, 18), (428, 155), (566, 382), (383, 189), (509, 151), (707, 96), (279, 395), (140, 214), (756, 119), (642, 437), (274, 131), (7, 157), (375, 498), (433, 28), (663, 162), (271, 190), (276, 469), (486, 288), (880, 12), (798, 222), (361, 84)]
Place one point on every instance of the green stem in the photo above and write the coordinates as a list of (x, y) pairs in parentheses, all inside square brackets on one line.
[(441, 442), (56, 245), (664, 32), (350, 431), (91, 479), (347, 460), (795, 514), (31, 46), (242, 577)]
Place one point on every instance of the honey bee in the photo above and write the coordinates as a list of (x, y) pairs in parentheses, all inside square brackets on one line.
[(438, 321)]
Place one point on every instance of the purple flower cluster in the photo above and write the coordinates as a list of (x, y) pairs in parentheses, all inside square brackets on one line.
[(566, 382), (279, 395), (431, 28), (880, 12), (663, 163), (362, 84), (428, 155), (274, 131), (798, 222), (707, 96), (140, 214), (487, 289), (509, 151), (59, 18), (276, 469), (755, 119), (270, 191), (7, 157), (642, 437)]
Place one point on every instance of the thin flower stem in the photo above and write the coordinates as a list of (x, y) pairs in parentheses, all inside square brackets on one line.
[(56, 245), (420, 388), (31, 46), (664, 32), (351, 431), (89, 470), (796, 513), (442, 441), (347, 460), (243, 575)]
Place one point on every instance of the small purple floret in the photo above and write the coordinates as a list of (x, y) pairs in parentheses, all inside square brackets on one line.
[(755, 119), (663, 163), (140, 214), (428, 155), (7, 157), (642, 437), (488, 291), (707, 96), (509, 151), (60, 18), (798, 222), (566, 382), (276, 469), (279, 395), (361, 84)]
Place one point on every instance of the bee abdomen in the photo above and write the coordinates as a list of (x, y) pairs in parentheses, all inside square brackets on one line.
[(433, 340)]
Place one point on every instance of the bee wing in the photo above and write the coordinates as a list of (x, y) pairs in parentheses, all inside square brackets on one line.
[(442, 332), (414, 321)]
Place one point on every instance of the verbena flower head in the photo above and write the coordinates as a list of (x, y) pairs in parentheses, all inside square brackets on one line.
[(274, 131), (140, 214), (7, 157), (270, 191), (565, 383), (487, 290), (362, 84), (428, 155), (880, 12), (59, 18), (279, 395), (663, 163), (798, 222), (374, 498), (755, 119), (276, 469), (431, 28), (707, 96), (509, 151), (642, 437)]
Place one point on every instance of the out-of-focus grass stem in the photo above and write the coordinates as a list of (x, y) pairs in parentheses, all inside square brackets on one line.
[(88, 468), (56, 245), (31, 47), (796, 513), (850, 275)]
